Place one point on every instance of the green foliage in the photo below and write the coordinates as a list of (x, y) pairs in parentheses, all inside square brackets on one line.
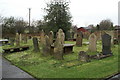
[(40, 25), (20, 25), (8, 26), (58, 16), (12, 25)]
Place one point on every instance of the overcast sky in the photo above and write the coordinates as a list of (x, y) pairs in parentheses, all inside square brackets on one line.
[(84, 12)]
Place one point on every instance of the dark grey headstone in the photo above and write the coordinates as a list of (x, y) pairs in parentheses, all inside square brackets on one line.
[(35, 43), (12, 40), (106, 44)]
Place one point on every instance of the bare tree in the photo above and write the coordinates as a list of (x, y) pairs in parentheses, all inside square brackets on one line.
[(106, 25)]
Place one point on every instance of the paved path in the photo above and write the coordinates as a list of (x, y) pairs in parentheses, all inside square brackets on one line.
[(11, 71), (116, 77)]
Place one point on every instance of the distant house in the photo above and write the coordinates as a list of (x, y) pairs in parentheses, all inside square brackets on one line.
[(84, 29), (117, 32)]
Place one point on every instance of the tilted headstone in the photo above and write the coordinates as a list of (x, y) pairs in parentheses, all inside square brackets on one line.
[(58, 45), (79, 40), (92, 43), (82, 56), (35, 44), (106, 44), (51, 37), (17, 39), (46, 46)]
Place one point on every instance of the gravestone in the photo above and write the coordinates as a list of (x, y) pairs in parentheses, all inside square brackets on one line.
[(25, 39), (58, 50), (59, 45), (35, 44), (92, 43), (106, 44), (86, 35), (98, 35), (79, 40), (111, 33), (46, 46), (12, 41), (20, 38), (61, 36), (42, 38), (51, 36), (17, 39), (71, 33), (82, 56), (75, 35)]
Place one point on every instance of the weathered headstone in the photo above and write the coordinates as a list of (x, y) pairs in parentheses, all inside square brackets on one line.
[(71, 33), (86, 35), (25, 39), (75, 35), (58, 45), (46, 46), (82, 56), (79, 40), (98, 35), (17, 39), (58, 50), (42, 37), (92, 43), (51, 36), (106, 44), (61, 36), (20, 38), (35, 44)]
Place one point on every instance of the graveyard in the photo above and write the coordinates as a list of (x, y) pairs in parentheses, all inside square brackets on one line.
[(42, 60), (65, 39)]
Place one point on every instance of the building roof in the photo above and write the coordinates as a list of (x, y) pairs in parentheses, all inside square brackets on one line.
[(87, 28)]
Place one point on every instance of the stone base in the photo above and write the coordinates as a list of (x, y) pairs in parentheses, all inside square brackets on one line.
[(99, 56), (68, 49)]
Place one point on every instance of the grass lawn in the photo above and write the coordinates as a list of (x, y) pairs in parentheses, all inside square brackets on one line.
[(48, 67)]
